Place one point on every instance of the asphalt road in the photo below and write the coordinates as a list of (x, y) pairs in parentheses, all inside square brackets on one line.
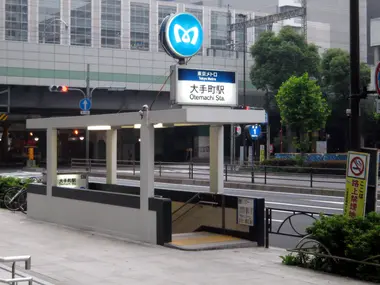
[(284, 202)]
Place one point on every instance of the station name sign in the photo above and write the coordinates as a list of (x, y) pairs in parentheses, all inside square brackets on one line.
[(203, 87)]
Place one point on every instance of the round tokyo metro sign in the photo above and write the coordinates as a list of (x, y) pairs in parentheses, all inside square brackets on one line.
[(181, 35)]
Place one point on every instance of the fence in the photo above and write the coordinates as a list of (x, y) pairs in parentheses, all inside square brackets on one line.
[(277, 175), (296, 233)]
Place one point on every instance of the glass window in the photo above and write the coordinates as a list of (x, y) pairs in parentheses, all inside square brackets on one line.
[(16, 20), (49, 26), (80, 23), (239, 34), (219, 31), (199, 15), (139, 26), (111, 23), (259, 30), (164, 11)]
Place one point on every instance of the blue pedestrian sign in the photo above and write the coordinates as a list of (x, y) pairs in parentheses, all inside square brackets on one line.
[(85, 104), (254, 131)]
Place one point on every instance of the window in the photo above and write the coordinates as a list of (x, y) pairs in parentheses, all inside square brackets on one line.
[(49, 27), (164, 11), (219, 31), (80, 23), (111, 23), (16, 20), (259, 30), (239, 34), (139, 26), (199, 15)]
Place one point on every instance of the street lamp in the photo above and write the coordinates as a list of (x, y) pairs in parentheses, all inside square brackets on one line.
[(51, 22)]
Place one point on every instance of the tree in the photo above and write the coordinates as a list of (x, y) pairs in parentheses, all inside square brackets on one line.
[(302, 108), (278, 57), (335, 71), (335, 83)]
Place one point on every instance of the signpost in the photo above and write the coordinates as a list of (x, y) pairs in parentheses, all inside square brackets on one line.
[(246, 211), (203, 87), (85, 106), (356, 184), (254, 132)]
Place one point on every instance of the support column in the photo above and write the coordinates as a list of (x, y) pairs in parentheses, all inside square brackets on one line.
[(146, 165), (51, 160), (217, 159), (111, 156)]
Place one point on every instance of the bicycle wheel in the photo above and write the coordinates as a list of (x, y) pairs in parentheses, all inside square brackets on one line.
[(22, 202), (10, 199)]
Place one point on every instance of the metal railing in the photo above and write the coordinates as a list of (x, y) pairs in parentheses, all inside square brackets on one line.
[(288, 221), (262, 174), (13, 259)]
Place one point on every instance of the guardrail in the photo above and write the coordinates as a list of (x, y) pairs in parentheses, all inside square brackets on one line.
[(13, 259), (276, 175)]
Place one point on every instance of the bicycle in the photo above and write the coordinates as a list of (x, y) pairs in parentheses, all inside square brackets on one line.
[(15, 199)]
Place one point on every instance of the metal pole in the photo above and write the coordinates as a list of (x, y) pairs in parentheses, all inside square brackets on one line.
[(355, 74), (88, 96), (231, 145), (268, 140), (244, 58), (9, 100)]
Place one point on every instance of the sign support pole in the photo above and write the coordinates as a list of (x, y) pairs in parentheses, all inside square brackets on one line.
[(88, 96)]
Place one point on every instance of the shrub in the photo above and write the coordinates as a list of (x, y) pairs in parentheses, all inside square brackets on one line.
[(9, 182), (353, 238)]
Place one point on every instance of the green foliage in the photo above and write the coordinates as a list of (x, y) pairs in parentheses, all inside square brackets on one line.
[(291, 259), (352, 238), (302, 108), (335, 69), (278, 57), (9, 182)]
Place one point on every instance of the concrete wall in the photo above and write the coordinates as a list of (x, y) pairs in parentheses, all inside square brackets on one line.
[(109, 215)]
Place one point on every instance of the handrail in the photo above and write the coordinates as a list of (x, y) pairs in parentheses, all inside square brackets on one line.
[(13, 259), (187, 202)]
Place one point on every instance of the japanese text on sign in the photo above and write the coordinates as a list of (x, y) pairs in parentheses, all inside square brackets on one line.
[(245, 211), (356, 184)]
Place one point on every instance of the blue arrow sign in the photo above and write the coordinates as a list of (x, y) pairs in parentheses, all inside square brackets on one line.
[(85, 104), (255, 131)]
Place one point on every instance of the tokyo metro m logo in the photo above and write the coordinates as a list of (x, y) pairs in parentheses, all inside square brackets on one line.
[(186, 34)]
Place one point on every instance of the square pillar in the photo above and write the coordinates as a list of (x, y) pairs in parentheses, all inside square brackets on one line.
[(51, 160), (146, 165), (111, 156), (217, 159)]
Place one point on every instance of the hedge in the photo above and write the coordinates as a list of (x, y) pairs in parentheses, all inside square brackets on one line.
[(298, 166), (354, 238)]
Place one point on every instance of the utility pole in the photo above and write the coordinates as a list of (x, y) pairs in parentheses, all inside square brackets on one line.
[(244, 59), (355, 75), (88, 96)]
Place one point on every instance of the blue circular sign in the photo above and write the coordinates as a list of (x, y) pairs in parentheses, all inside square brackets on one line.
[(181, 35)]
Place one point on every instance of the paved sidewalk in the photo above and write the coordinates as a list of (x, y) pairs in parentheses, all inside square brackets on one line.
[(64, 256)]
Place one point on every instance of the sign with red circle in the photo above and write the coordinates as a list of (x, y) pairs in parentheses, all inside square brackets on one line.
[(357, 166), (377, 78)]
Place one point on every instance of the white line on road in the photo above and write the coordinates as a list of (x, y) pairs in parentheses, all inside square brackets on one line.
[(304, 206), (327, 202), (277, 221)]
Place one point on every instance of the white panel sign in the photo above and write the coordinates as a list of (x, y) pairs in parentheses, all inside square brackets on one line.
[(245, 211), (70, 180), (204, 87), (357, 166)]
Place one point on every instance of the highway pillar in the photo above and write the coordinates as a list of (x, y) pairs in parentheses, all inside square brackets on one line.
[(217, 159), (146, 164), (111, 156), (51, 160)]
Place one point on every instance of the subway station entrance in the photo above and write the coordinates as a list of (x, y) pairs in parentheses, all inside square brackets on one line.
[(145, 213)]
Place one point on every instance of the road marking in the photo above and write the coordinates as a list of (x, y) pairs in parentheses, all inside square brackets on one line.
[(304, 206), (277, 221), (327, 202)]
